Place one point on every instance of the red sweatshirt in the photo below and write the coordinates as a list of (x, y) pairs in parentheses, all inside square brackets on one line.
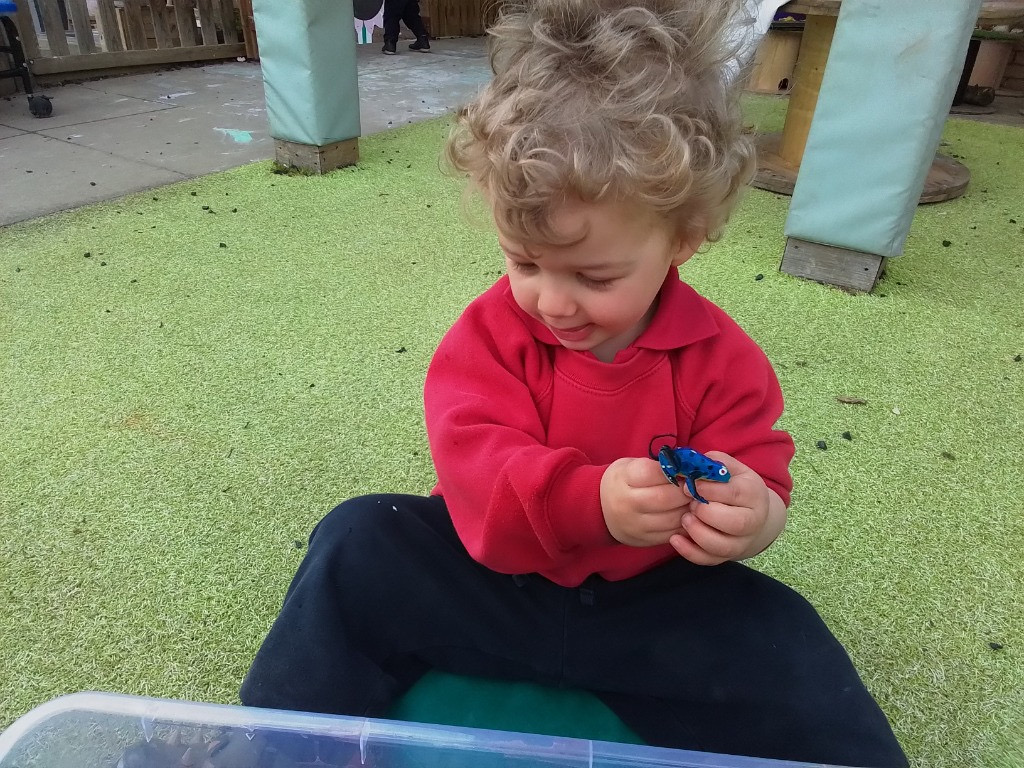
[(521, 428)]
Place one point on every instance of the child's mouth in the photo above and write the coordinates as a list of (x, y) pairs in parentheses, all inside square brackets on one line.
[(579, 333)]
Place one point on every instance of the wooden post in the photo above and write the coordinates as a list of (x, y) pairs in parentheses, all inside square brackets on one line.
[(185, 18), (878, 122), (457, 18), (227, 21), (161, 28), (775, 62), (316, 159), (993, 58), (309, 64), (27, 31), (252, 48), (207, 22), (810, 69), (852, 270), (56, 40), (83, 28), (134, 26)]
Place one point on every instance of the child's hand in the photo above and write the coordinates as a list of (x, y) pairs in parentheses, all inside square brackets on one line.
[(641, 508), (742, 517)]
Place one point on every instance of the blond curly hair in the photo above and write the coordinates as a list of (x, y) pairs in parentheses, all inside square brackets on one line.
[(608, 100)]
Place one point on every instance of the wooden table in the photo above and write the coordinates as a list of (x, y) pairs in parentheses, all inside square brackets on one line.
[(780, 154)]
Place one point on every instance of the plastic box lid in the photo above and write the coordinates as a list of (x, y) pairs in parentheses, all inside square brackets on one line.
[(103, 730)]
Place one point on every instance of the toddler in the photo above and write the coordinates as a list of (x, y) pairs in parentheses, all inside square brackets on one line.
[(609, 148)]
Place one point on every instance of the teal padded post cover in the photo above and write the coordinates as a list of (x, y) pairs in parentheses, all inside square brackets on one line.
[(891, 76), (308, 56)]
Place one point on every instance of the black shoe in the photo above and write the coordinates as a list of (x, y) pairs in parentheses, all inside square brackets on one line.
[(421, 44), (389, 47)]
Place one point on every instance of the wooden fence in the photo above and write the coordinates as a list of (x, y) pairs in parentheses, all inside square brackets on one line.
[(126, 33), (458, 18)]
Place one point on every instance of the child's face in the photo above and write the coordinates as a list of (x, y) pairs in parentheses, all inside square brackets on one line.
[(598, 293)]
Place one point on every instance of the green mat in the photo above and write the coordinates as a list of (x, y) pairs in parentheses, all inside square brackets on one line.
[(190, 378), (510, 706)]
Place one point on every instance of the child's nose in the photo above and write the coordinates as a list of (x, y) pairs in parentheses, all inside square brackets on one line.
[(555, 301)]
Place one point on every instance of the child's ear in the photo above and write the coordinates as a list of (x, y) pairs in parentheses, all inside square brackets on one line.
[(686, 245)]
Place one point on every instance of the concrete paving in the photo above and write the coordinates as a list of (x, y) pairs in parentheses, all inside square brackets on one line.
[(118, 135)]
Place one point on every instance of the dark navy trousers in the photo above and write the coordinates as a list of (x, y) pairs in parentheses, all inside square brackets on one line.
[(402, 10), (718, 659)]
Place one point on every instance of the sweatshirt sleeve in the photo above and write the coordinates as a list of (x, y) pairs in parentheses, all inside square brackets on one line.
[(736, 406), (518, 505)]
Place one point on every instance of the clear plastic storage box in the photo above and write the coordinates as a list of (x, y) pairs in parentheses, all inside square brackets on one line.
[(100, 730)]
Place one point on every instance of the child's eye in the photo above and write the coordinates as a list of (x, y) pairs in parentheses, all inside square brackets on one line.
[(521, 266), (594, 283)]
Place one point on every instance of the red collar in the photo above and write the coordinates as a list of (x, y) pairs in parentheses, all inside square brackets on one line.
[(682, 317)]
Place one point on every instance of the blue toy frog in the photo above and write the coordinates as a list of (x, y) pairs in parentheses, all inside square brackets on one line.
[(690, 465)]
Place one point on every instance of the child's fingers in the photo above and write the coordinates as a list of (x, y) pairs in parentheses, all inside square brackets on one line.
[(738, 492), (654, 528), (645, 473), (735, 466), (745, 489), (687, 548), (659, 498), (711, 540), (728, 519)]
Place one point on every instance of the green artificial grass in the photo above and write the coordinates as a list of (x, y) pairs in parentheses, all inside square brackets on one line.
[(193, 376)]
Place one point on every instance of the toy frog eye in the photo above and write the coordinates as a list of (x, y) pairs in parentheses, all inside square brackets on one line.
[(723, 471)]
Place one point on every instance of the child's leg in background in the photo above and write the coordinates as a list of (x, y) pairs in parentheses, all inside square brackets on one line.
[(393, 11), (724, 659), (413, 20), (385, 592)]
